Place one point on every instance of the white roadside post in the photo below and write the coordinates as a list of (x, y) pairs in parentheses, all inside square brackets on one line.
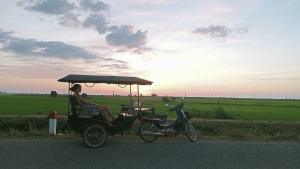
[(52, 122)]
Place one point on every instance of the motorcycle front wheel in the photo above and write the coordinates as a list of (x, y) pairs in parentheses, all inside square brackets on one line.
[(190, 132), (148, 131)]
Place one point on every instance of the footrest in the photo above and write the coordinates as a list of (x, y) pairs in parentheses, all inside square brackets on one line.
[(84, 116), (164, 124)]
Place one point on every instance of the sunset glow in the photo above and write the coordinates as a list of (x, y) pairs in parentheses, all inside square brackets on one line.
[(247, 48)]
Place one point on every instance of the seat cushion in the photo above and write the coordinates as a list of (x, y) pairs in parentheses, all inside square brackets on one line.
[(89, 109)]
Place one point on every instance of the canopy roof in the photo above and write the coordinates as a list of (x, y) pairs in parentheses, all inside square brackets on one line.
[(104, 79)]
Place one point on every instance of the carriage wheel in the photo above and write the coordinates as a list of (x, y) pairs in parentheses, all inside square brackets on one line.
[(95, 136)]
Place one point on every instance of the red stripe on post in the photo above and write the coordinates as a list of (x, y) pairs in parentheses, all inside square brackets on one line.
[(53, 115)]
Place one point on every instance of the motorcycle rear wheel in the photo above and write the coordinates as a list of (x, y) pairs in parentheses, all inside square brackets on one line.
[(147, 130)]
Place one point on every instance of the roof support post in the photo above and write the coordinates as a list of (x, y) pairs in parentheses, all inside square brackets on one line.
[(69, 97), (138, 93), (130, 94)]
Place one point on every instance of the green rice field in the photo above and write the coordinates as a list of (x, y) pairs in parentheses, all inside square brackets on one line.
[(239, 109)]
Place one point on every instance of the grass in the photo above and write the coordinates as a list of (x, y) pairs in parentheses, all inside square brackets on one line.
[(252, 117), (243, 130), (239, 109), (37, 127)]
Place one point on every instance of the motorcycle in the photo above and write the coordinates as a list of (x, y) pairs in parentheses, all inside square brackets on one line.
[(151, 128)]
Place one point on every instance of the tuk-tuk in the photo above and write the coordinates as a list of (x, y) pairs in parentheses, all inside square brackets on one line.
[(90, 124)]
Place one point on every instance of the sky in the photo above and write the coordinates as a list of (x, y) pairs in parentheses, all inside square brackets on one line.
[(228, 48)]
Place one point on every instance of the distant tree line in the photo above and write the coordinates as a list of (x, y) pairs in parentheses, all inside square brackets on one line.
[(2, 92), (168, 99), (53, 93)]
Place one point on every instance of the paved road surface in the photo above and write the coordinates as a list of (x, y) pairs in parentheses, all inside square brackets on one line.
[(71, 154)]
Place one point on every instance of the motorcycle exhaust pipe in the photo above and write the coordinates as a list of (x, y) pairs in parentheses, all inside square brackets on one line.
[(154, 133)]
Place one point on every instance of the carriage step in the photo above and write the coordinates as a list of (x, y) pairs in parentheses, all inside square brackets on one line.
[(116, 123)]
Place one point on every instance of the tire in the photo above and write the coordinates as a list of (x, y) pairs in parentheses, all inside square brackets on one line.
[(190, 132), (148, 127), (94, 136)]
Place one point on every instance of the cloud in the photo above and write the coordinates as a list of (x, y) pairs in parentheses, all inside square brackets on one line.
[(52, 7), (4, 36), (115, 66), (94, 5), (149, 2), (242, 30), (125, 36), (214, 31), (96, 21), (31, 58), (139, 50), (275, 78), (60, 7), (118, 36), (69, 20), (220, 31), (31, 47)]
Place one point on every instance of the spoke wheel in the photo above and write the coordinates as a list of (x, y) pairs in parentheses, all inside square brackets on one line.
[(190, 132), (147, 130), (95, 136)]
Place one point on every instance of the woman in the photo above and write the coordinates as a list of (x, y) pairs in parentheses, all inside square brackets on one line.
[(76, 88)]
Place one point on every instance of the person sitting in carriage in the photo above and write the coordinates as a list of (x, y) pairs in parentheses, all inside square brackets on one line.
[(76, 88)]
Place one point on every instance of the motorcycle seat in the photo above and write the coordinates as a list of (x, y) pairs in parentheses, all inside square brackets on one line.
[(152, 119)]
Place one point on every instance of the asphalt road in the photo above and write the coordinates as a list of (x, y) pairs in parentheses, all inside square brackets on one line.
[(71, 154)]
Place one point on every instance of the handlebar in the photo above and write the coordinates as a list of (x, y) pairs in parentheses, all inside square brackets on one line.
[(178, 106)]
